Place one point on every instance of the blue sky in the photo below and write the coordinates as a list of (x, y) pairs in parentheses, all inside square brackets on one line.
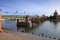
[(31, 7)]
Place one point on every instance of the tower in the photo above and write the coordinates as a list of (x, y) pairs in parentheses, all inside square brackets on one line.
[(55, 13)]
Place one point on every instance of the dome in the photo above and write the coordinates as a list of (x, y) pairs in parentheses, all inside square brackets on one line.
[(55, 13)]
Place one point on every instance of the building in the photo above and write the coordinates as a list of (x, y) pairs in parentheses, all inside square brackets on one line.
[(57, 16), (55, 13)]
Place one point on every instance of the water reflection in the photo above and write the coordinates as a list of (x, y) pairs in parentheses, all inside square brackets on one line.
[(27, 29), (9, 24), (49, 28)]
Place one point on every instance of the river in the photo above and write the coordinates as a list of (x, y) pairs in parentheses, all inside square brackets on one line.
[(47, 28)]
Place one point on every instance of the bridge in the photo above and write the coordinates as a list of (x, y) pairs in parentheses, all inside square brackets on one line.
[(9, 17)]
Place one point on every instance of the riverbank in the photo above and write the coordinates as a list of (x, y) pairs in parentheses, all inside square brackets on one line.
[(12, 35)]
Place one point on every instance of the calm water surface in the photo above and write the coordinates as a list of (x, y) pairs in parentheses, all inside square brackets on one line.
[(9, 24), (47, 28)]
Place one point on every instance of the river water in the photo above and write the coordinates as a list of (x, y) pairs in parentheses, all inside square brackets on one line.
[(47, 28)]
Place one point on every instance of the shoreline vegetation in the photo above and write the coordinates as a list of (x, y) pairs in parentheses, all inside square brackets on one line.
[(12, 35)]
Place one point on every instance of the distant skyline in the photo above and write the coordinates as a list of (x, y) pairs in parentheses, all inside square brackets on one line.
[(31, 7)]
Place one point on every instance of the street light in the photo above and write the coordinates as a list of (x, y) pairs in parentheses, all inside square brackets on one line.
[(16, 13)]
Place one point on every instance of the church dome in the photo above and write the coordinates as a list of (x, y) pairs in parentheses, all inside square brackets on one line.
[(55, 13)]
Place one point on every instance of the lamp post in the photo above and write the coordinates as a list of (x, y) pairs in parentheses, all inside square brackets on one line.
[(6, 15), (16, 14), (0, 20)]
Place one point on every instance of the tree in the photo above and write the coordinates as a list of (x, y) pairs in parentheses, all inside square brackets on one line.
[(51, 17), (54, 17)]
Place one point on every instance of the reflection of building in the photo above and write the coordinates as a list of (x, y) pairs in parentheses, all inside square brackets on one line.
[(55, 13)]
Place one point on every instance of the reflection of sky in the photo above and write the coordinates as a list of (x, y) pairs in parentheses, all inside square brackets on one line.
[(49, 29), (33, 6)]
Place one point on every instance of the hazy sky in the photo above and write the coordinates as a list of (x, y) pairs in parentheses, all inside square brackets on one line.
[(31, 7)]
